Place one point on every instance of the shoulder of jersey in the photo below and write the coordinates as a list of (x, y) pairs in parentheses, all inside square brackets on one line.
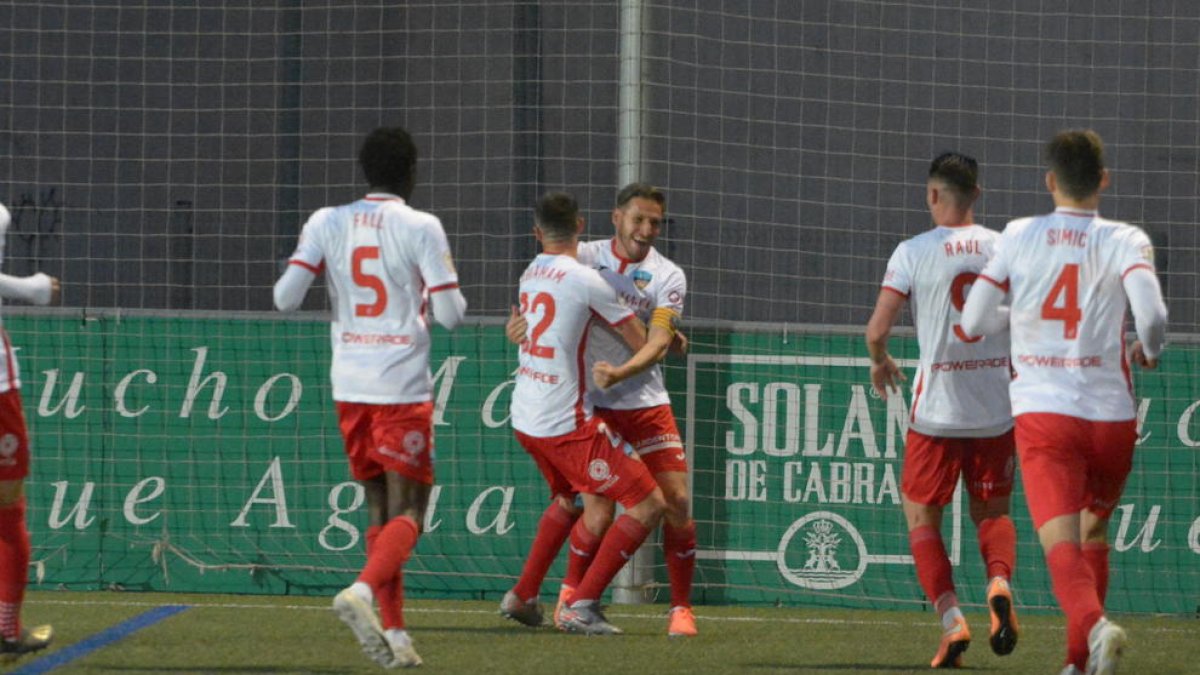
[(5, 219), (1020, 224)]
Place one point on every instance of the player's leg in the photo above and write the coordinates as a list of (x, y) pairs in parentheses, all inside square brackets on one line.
[(586, 535), (988, 468), (607, 471), (14, 534), (521, 603), (928, 477), (1110, 459), (1053, 468), (679, 550)]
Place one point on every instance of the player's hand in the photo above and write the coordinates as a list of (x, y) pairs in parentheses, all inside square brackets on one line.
[(1137, 354), (55, 291), (886, 375), (679, 344), (604, 374), (516, 327)]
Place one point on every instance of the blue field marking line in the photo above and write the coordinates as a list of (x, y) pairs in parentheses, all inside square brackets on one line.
[(101, 639)]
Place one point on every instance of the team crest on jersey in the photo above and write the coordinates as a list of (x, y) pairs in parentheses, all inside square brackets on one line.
[(641, 279), (598, 470), (1148, 254), (448, 261)]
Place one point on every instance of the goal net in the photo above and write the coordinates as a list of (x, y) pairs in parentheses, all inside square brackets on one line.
[(160, 160)]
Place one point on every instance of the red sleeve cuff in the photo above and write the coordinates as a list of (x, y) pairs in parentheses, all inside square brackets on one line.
[(444, 287), (1138, 266), (300, 263), (894, 290), (1002, 286)]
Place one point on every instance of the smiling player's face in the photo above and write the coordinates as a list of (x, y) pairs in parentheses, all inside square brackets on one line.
[(638, 224)]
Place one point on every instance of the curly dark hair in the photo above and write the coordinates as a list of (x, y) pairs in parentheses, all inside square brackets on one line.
[(388, 158)]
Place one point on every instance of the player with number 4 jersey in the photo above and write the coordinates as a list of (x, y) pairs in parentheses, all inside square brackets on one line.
[(386, 263), (1068, 276), (960, 421)]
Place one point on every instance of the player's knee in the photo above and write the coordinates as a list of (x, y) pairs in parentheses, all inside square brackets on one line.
[(676, 508), (650, 510), (569, 504), (597, 521), (11, 492)]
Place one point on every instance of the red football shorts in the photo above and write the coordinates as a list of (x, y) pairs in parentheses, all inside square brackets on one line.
[(395, 437), (588, 460), (932, 465), (1070, 464), (14, 438), (652, 433)]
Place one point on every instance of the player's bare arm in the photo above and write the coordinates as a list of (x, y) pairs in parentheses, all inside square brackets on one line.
[(657, 343), (36, 289), (885, 374)]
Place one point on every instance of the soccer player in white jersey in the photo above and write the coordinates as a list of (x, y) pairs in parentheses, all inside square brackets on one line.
[(632, 399), (960, 421), (385, 262), (553, 419), (38, 289), (1067, 276)]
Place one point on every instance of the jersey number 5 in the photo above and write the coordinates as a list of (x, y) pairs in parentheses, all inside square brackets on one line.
[(1066, 289), (368, 281), (958, 298), (546, 302)]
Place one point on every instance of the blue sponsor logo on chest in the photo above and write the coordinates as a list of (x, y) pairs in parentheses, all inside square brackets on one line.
[(641, 279)]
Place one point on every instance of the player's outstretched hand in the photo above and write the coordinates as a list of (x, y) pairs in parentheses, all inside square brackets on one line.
[(604, 374), (516, 327), (885, 376), (1138, 355), (55, 291)]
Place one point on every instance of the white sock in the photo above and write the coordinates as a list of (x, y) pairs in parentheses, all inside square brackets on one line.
[(363, 590), (948, 619)]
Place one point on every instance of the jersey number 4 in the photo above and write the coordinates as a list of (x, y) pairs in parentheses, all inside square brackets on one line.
[(1062, 303), (546, 302)]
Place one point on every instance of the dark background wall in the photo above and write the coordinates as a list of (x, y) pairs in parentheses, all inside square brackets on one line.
[(164, 155)]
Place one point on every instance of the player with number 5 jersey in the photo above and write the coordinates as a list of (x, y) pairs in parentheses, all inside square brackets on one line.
[(1068, 276), (386, 263)]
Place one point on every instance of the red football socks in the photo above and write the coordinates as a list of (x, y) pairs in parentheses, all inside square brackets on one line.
[(14, 567), (584, 544), (390, 550), (552, 531), (618, 546), (998, 546), (932, 563), (1075, 589), (1096, 555), (679, 549)]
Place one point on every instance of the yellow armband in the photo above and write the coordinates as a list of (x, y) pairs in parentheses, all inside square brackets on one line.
[(665, 319)]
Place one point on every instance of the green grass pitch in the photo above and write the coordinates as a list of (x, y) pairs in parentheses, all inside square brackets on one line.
[(257, 634)]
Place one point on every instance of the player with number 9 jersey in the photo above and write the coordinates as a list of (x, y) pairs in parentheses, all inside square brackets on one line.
[(961, 387)]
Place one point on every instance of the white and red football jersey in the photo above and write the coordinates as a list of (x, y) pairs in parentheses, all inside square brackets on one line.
[(645, 285), (10, 372), (382, 258), (559, 298), (1063, 272), (961, 387)]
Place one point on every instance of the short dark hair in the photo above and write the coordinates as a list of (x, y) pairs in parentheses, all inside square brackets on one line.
[(557, 213), (389, 159), (643, 190), (1076, 156), (959, 171)]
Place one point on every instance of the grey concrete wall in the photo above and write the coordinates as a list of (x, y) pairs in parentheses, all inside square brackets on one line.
[(164, 156)]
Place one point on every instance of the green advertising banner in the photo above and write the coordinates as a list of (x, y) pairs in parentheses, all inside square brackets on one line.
[(202, 454)]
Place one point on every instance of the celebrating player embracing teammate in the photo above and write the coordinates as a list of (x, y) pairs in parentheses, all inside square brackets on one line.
[(632, 400), (1068, 275), (553, 419)]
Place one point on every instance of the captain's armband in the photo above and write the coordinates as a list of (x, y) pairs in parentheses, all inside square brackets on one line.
[(666, 319)]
